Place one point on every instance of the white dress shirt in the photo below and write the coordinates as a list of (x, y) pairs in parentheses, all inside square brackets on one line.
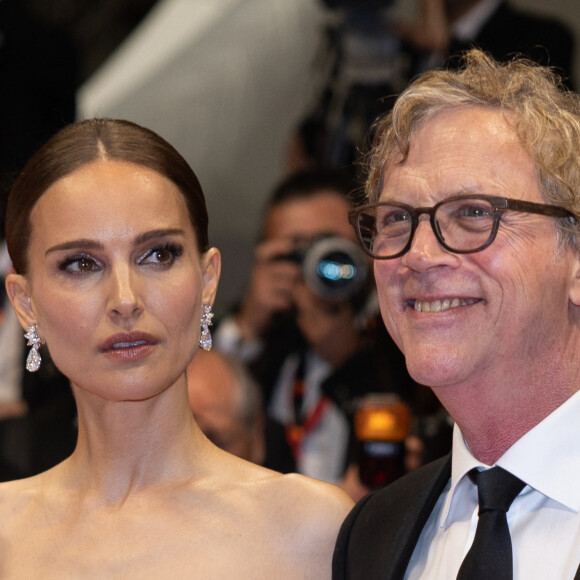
[(544, 520), (323, 450)]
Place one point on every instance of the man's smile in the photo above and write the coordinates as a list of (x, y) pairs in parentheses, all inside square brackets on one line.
[(441, 305)]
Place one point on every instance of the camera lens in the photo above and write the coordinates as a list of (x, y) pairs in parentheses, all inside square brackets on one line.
[(335, 268)]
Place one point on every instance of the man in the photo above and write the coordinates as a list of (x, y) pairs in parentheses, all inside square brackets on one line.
[(478, 276), (227, 406)]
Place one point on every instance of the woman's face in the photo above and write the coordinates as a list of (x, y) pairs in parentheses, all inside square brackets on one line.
[(115, 280)]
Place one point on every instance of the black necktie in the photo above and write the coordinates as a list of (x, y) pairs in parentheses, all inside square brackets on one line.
[(490, 556)]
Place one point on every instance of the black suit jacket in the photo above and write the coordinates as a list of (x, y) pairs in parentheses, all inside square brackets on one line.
[(377, 539)]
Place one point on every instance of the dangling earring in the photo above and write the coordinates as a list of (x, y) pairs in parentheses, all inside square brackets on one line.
[(205, 339), (33, 359)]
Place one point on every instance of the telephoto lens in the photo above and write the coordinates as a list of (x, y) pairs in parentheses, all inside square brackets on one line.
[(333, 267)]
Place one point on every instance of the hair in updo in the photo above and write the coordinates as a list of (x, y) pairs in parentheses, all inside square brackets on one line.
[(82, 143)]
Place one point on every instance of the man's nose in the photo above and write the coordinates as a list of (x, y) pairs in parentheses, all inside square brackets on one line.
[(425, 250)]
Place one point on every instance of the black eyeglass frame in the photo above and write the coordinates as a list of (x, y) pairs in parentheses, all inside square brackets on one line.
[(499, 205)]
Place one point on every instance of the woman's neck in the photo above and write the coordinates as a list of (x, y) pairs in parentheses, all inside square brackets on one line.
[(126, 446)]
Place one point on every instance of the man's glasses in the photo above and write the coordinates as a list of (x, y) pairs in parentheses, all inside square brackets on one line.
[(463, 224)]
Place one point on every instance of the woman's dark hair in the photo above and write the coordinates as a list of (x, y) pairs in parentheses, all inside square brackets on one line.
[(84, 142)]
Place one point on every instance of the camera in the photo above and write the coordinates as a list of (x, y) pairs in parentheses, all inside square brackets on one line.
[(333, 267)]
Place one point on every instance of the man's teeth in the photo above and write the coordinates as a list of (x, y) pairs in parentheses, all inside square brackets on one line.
[(440, 305)]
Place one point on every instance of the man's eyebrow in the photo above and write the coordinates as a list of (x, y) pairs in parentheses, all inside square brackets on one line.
[(87, 244)]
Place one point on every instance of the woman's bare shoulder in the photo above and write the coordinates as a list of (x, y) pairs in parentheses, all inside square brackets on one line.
[(309, 493), (17, 495), (303, 493), (280, 485), (293, 499), (307, 515)]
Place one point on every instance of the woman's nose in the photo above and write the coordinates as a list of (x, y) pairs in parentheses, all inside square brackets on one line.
[(124, 300)]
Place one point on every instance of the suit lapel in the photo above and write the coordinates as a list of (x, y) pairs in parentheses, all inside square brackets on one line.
[(377, 539)]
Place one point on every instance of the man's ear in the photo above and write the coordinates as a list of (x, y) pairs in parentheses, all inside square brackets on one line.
[(18, 290), (575, 282), (211, 268)]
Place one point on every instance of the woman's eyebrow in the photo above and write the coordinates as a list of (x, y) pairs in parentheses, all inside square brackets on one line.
[(87, 244), (82, 244), (161, 233)]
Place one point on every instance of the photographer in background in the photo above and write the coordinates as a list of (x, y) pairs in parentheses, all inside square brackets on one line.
[(370, 55), (227, 405), (312, 354), (444, 29)]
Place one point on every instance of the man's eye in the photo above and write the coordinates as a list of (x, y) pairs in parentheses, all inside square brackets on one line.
[(395, 217), (475, 211), (392, 218)]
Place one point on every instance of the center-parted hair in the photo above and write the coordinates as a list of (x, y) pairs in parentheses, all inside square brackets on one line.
[(85, 142)]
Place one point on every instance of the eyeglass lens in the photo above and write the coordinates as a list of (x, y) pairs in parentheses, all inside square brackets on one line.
[(463, 225)]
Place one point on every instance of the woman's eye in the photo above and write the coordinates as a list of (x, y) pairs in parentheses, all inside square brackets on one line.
[(162, 255), (79, 265)]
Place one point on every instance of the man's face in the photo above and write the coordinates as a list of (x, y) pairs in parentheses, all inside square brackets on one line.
[(299, 222), (305, 219), (514, 294)]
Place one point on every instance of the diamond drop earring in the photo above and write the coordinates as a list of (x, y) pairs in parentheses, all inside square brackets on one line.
[(33, 359), (205, 339)]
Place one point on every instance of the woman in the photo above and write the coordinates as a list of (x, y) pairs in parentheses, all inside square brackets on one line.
[(107, 231)]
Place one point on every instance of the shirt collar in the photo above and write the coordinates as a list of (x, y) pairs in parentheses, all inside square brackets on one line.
[(468, 26), (552, 446), (462, 462)]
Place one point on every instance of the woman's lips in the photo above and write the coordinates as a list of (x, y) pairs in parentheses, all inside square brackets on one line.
[(128, 346)]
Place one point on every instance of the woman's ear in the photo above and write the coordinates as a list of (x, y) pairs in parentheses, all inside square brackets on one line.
[(18, 290), (210, 267)]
